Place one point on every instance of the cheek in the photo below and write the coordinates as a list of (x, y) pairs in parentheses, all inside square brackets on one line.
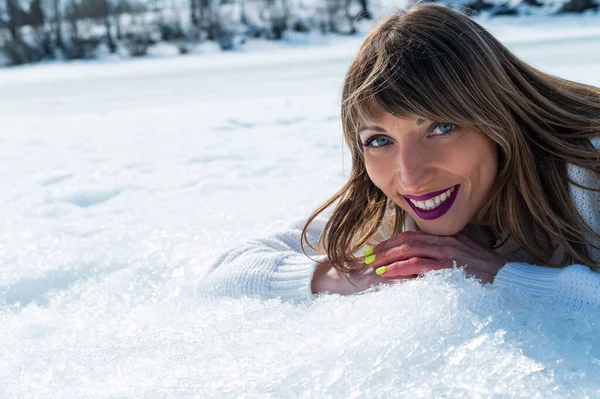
[(482, 161), (379, 172), (490, 160)]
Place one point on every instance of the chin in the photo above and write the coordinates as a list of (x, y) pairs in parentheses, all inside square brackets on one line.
[(439, 229)]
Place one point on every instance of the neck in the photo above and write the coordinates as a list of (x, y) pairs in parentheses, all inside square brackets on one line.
[(481, 233)]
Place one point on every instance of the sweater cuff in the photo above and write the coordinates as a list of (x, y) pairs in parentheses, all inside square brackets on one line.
[(293, 277), (536, 281)]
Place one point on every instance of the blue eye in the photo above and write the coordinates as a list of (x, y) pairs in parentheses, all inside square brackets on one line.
[(377, 141), (443, 128)]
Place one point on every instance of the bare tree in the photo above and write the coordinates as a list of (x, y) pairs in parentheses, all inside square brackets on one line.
[(338, 16), (276, 14), (35, 17), (15, 46), (107, 24), (194, 13), (207, 19), (364, 13), (58, 20)]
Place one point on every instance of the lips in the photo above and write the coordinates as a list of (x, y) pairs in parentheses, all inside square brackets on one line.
[(427, 196), (436, 212)]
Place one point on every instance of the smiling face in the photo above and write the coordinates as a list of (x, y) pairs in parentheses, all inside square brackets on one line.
[(439, 173)]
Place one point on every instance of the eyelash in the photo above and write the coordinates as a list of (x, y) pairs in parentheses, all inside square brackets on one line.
[(431, 129), (435, 126), (371, 139)]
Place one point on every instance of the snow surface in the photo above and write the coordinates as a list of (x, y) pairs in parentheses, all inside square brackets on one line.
[(121, 182)]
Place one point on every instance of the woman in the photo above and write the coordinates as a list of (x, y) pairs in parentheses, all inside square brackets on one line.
[(463, 155)]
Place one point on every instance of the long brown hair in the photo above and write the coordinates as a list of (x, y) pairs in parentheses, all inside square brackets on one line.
[(436, 63)]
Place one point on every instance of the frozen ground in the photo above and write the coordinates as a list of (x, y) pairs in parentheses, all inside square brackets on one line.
[(121, 182)]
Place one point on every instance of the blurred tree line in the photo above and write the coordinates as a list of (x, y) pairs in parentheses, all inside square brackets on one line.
[(35, 30)]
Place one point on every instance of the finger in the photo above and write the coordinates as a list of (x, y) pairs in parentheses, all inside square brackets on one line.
[(413, 249), (415, 266), (408, 236), (396, 240), (393, 280), (387, 282), (469, 242)]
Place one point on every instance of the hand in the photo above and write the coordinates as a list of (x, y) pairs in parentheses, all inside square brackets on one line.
[(328, 278), (412, 252)]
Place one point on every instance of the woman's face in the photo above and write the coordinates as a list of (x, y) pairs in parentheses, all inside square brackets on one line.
[(439, 173)]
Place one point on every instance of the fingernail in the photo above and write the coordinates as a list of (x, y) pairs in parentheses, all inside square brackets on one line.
[(381, 270), (370, 259), (369, 251)]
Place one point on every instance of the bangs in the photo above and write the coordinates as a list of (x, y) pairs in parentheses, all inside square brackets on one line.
[(419, 90), (412, 75)]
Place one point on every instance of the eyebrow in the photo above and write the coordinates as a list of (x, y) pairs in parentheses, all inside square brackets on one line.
[(373, 128), (379, 129)]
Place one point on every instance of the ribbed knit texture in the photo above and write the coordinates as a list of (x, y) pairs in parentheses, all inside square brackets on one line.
[(575, 286), (267, 268), (276, 267)]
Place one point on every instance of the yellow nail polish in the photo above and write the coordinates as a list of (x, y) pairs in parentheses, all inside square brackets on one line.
[(370, 259), (381, 270), (369, 251)]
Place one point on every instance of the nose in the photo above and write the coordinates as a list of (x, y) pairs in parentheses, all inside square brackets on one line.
[(414, 171)]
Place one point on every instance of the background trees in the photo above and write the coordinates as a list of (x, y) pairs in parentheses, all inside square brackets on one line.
[(35, 30)]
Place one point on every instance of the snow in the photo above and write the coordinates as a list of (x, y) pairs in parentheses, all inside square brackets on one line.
[(122, 181)]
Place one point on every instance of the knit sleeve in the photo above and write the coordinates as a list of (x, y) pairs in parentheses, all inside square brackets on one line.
[(271, 267), (587, 202), (574, 286)]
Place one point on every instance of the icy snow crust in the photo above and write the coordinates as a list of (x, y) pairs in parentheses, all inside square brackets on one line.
[(121, 182)]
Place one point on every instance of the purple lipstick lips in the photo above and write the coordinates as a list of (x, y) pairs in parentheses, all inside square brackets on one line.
[(436, 212)]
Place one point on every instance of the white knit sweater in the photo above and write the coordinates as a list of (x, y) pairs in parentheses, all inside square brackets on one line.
[(275, 266)]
